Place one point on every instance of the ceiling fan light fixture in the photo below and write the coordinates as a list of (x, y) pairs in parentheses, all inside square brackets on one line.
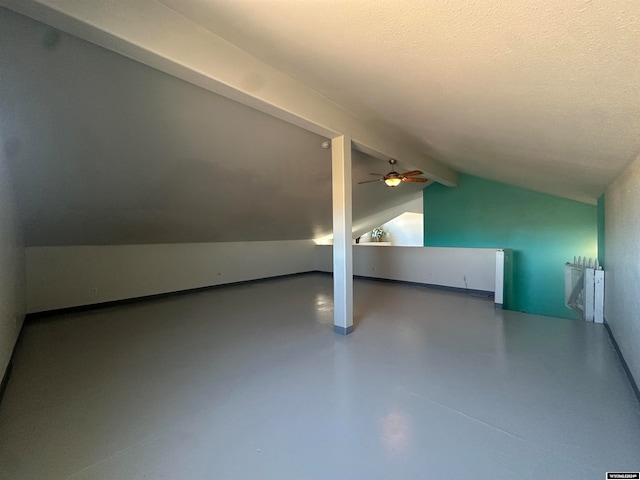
[(393, 178), (392, 181)]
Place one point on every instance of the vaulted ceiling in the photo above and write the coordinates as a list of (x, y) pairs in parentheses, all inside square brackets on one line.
[(540, 94), (105, 149)]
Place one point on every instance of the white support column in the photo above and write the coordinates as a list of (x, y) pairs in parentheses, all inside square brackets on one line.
[(342, 241)]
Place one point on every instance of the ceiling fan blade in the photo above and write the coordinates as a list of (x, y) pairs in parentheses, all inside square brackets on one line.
[(377, 174), (369, 181), (411, 179), (412, 173)]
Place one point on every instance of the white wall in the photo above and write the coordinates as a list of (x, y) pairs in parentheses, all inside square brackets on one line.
[(430, 265), (60, 277), (406, 230), (411, 202), (622, 264), (12, 283)]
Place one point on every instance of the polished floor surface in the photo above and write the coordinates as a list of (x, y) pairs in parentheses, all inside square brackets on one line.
[(249, 382)]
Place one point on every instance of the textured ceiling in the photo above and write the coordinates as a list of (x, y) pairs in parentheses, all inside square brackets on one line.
[(540, 94), (104, 150)]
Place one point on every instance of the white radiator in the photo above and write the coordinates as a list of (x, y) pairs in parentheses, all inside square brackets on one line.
[(584, 288)]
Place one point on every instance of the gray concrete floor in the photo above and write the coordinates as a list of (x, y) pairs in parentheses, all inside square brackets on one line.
[(249, 382)]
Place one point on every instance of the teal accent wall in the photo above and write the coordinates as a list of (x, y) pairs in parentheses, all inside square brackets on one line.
[(544, 232), (600, 209)]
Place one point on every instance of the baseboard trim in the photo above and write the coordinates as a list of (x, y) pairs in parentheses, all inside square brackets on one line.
[(6, 376), (468, 291), (125, 301), (632, 381), (342, 330)]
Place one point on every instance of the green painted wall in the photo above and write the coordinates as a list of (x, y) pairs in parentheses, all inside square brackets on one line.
[(544, 232)]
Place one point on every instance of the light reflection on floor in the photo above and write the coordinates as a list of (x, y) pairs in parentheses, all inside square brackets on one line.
[(250, 382)]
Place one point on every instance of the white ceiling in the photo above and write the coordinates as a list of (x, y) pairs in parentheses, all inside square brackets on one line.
[(103, 149), (540, 94)]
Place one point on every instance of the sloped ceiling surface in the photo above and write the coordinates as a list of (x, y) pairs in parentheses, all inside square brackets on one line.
[(104, 150), (543, 95), (540, 94)]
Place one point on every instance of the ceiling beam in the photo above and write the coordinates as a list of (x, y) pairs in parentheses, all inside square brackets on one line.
[(152, 34)]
